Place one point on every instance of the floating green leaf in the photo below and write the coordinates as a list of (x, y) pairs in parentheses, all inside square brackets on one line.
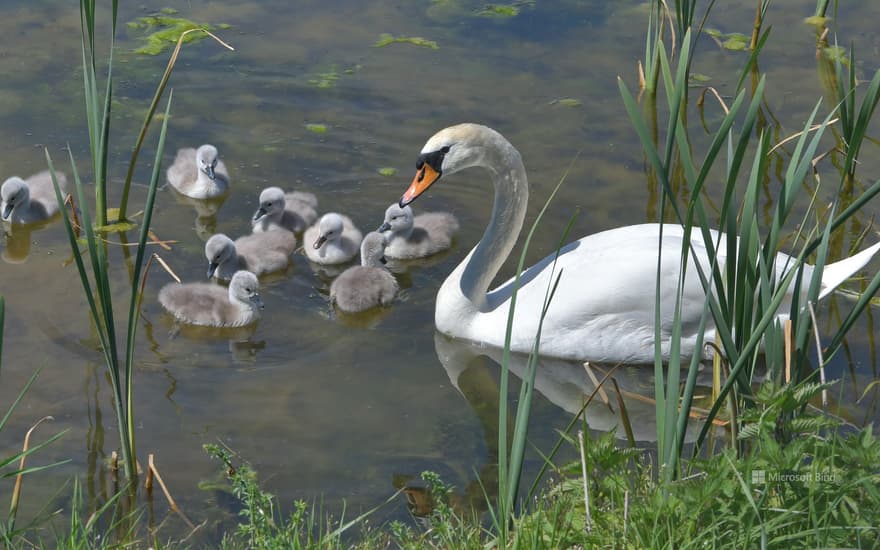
[(325, 80), (167, 31), (388, 171), (699, 77), (317, 128), (567, 102), (736, 42), (499, 10), (817, 21), (386, 39)]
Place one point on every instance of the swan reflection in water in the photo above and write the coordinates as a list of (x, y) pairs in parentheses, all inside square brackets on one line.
[(472, 369)]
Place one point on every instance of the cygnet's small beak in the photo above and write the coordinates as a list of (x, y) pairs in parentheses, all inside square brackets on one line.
[(255, 298), (8, 210), (212, 267), (384, 227), (319, 242), (259, 213), (209, 169)]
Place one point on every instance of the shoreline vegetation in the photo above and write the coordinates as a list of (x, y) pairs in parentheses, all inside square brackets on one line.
[(767, 463)]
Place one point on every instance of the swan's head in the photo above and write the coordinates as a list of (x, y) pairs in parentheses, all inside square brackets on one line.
[(206, 159), (329, 229), (448, 151), (245, 287), (271, 201), (14, 192), (397, 219), (218, 249), (373, 249)]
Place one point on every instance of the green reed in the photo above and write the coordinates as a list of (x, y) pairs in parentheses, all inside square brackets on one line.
[(746, 292), (99, 295)]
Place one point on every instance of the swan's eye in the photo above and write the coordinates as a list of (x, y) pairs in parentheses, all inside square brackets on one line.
[(445, 149)]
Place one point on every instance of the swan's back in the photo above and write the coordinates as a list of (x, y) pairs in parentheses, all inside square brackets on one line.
[(360, 288), (266, 252), (432, 232)]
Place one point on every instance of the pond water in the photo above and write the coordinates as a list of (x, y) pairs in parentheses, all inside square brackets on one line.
[(323, 406)]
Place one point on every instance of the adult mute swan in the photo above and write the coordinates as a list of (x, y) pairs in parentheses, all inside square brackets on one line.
[(603, 309)]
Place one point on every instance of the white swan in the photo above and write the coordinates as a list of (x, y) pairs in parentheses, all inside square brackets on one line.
[(259, 253), (333, 240), (603, 309), (211, 305), (368, 285), (291, 211), (199, 174), (30, 201), (412, 237)]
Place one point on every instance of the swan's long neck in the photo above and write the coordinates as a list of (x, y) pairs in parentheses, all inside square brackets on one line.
[(511, 199)]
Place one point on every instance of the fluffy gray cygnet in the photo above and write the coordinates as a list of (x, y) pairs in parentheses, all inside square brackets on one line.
[(199, 173), (368, 285), (212, 305), (333, 240), (416, 237), (259, 253), (32, 200), (294, 211)]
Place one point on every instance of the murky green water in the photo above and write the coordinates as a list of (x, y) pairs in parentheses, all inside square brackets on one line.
[(319, 404)]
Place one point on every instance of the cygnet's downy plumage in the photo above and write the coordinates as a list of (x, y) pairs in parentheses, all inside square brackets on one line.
[(259, 253), (291, 211), (199, 173), (368, 285), (212, 305), (416, 237), (333, 240), (32, 200)]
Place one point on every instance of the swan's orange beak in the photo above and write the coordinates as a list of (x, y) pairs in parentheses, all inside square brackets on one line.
[(425, 176)]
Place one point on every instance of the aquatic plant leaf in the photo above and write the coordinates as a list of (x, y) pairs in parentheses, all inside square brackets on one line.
[(388, 171), (699, 77), (567, 102), (317, 128), (499, 10), (168, 31), (386, 39), (736, 42)]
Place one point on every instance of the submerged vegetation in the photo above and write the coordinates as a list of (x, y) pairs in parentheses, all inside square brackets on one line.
[(165, 31), (385, 39)]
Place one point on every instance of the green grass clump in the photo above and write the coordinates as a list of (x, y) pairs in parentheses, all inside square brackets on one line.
[(262, 524), (168, 31), (386, 39)]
